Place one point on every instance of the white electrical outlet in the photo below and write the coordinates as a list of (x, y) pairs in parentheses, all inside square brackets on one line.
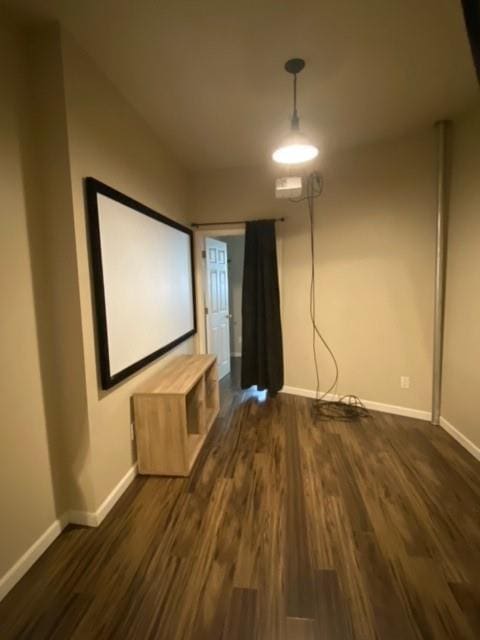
[(132, 431), (404, 382)]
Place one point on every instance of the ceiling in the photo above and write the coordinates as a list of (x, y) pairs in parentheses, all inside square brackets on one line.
[(208, 75)]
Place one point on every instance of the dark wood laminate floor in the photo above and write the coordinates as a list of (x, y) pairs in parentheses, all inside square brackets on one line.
[(285, 530)]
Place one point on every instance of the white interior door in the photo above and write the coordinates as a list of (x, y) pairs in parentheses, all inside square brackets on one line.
[(217, 318)]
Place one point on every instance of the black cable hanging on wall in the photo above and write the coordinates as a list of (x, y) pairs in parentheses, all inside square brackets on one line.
[(349, 407)]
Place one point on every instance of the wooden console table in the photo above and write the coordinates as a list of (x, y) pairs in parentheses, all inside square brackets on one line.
[(173, 418)]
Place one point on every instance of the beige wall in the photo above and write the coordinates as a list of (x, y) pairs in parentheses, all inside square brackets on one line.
[(375, 251), (109, 141), (461, 379), (27, 501), (55, 275), (65, 444)]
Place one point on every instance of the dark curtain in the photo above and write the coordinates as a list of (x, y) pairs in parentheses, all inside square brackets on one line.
[(262, 351), (471, 12)]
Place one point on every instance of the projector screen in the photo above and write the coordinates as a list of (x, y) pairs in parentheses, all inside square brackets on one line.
[(142, 265)]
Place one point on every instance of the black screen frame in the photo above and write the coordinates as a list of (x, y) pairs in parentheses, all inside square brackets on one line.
[(93, 188)]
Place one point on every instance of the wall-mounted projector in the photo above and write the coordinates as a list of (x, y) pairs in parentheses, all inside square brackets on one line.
[(288, 187)]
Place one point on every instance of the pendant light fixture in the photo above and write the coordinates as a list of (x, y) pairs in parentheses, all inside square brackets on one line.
[(296, 148)]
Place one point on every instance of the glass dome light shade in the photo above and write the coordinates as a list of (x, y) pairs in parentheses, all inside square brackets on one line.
[(295, 149)]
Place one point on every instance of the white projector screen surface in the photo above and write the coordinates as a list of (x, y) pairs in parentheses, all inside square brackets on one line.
[(147, 282)]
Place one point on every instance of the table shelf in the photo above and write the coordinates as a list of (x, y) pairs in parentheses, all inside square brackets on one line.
[(173, 417)]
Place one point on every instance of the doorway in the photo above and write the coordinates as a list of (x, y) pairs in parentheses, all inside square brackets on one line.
[(236, 251), (220, 290)]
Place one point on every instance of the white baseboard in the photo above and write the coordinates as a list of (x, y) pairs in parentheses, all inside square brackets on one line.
[(94, 518), (374, 406), (460, 438), (83, 518), (31, 555), (86, 518)]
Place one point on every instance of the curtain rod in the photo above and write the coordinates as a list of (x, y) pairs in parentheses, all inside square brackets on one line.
[(219, 224)]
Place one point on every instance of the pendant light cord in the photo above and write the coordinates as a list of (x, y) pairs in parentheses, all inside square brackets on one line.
[(295, 118), (347, 408)]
